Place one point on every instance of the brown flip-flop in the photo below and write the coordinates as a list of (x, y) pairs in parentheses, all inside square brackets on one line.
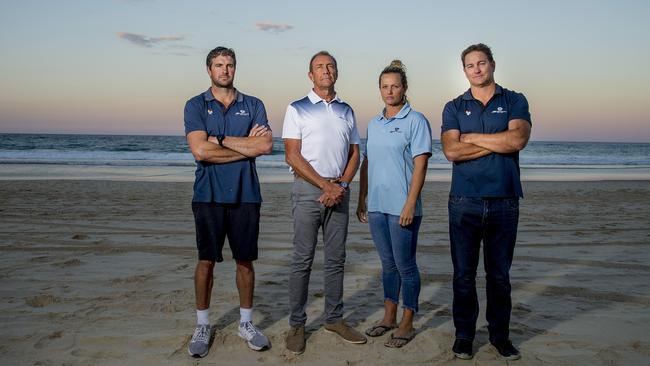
[(378, 330), (399, 342)]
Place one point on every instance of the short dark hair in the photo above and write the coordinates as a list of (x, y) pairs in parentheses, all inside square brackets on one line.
[(220, 51), (322, 53), (480, 47)]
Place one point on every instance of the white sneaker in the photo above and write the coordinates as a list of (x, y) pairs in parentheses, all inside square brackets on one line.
[(200, 343), (253, 336)]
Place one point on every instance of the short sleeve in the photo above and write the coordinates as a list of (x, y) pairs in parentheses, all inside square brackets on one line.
[(450, 117), (354, 134), (193, 116), (420, 136), (519, 107), (260, 117), (290, 128)]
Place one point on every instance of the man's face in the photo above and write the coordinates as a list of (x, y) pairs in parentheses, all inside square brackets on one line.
[(222, 71), (323, 72), (478, 69)]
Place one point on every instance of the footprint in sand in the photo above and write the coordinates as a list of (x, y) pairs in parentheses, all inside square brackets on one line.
[(45, 340), (69, 263), (40, 301)]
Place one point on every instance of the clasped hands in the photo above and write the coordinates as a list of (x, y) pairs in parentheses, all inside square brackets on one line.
[(333, 193)]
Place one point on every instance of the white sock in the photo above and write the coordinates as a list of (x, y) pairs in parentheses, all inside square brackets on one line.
[(246, 315), (202, 317)]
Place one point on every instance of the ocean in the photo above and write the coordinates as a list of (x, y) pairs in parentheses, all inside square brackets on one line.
[(41, 156)]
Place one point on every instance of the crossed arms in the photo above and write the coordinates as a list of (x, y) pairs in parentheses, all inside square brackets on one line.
[(207, 149), (333, 193), (469, 146)]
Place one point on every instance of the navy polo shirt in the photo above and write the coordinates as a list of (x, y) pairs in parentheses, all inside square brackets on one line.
[(232, 182), (493, 175)]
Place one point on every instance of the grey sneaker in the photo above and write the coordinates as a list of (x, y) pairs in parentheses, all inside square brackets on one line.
[(200, 343), (253, 336)]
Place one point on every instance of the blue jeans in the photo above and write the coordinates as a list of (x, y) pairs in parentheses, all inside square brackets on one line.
[(396, 246), (493, 221)]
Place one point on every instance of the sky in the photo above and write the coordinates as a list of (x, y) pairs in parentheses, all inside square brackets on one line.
[(129, 66)]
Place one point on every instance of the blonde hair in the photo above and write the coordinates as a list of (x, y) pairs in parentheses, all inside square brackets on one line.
[(397, 67)]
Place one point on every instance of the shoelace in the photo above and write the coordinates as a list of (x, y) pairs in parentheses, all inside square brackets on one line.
[(249, 329), (200, 334)]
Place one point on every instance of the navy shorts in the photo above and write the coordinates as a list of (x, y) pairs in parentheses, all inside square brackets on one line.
[(240, 222)]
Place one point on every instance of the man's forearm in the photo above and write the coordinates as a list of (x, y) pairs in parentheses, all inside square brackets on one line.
[(461, 151), (511, 140), (213, 153), (302, 168), (352, 165), (502, 142), (456, 151), (251, 146)]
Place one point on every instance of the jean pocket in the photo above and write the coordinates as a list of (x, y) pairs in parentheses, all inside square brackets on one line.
[(456, 200), (512, 203)]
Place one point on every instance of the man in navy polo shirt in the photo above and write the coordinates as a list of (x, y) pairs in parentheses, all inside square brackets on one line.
[(482, 133), (226, 130)]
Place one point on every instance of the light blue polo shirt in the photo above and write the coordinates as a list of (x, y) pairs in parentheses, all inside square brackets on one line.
[(391, 146)]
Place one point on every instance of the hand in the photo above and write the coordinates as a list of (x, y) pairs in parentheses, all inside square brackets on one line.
[(213, 139), (407, 214), (259, 130), (332, 194), (362, 211)]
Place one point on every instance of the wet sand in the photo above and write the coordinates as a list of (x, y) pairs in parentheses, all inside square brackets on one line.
[(100, 273)]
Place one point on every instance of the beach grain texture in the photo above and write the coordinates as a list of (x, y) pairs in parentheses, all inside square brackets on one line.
[(100, 273)]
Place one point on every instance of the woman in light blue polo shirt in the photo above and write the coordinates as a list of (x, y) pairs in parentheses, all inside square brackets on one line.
[(392, 175)]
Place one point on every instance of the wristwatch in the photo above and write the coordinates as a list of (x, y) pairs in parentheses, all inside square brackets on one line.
[(220, 139), (345, 185)]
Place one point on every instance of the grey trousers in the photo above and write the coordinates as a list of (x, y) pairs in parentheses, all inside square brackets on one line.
[(309, 216)]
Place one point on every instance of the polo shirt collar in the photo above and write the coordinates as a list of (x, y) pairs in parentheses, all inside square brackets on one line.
[(401, 114), (314, 98), (468, 94), (207, 95)]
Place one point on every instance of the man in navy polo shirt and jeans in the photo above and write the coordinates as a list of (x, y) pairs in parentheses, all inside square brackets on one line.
[(482, 133), (226, 130)]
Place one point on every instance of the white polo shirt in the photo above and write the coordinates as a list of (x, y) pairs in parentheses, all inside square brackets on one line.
[(326, 130)]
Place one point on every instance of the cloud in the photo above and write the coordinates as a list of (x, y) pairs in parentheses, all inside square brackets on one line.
[(145, 41), (273, 27)]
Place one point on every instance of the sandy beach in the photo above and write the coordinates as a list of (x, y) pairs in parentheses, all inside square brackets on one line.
[(100, 273)]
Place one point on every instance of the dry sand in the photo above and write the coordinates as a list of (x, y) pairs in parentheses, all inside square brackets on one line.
[(100, 273)]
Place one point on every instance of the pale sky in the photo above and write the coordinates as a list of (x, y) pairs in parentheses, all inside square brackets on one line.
[(127, 67)]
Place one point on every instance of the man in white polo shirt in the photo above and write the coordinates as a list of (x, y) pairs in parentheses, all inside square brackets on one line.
[(322, 147)]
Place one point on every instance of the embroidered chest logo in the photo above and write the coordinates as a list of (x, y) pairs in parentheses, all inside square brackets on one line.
[(396, 130), (241, 113), (209, 111), (468, 112), (500, 110)]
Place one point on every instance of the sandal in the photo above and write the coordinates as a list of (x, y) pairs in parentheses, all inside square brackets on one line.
[(399, 342), (378, 330)]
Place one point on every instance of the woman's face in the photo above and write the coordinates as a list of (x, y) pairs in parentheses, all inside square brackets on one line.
[(391, 89)]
